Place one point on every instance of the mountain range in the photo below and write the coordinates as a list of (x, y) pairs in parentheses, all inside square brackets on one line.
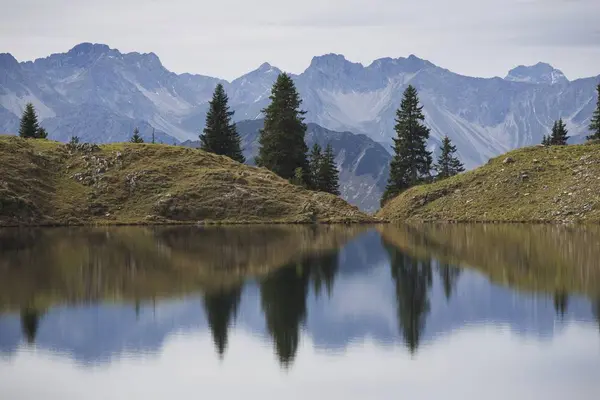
[(101, 94)]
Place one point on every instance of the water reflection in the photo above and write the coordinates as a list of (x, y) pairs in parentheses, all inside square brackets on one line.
[(94, 295), (221, 310)]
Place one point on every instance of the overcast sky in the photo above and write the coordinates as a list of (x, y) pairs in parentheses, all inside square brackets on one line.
[(227, 38)]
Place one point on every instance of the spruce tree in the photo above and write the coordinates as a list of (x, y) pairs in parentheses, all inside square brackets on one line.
[(282, 147), (411, 163), (595, 123), (315, 158), (220, 135), (546, 140), (448, 165), (136, 138), (328, 173), (29, 123), (558, 137), (41, 133)]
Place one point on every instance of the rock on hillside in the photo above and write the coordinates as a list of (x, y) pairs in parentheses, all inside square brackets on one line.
[(533, 184), (51, 183)]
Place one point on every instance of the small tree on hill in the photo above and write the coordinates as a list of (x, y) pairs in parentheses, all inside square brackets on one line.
[(220, 135), (546, 140), (41, 133), (411, 163), (298, 178), (282, 147), (558, 137), (448, 164), (595, 123), (328, 173), (29, 127), (136, 138), (315, 158)]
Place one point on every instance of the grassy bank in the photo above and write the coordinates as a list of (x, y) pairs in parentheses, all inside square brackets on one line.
[(534, 258), (533, 184), (49, 183)]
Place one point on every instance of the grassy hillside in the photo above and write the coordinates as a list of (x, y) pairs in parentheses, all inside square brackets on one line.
[(533, 184), (45, 182)]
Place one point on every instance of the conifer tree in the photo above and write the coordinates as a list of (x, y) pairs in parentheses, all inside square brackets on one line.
[(558, 137), (315, 158), (595, 123), (282, 147), (328, 173), (136, 138), (29, 126), (220, 135), (448, 165), (41, 133), (411, 163), (546, 140), (298, 179)]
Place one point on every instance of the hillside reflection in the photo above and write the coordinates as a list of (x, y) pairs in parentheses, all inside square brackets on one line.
[(96, 293)]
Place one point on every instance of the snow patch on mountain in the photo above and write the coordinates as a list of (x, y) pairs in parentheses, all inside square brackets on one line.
[(16, 104)]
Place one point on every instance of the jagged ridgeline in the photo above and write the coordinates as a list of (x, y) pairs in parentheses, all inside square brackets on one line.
[(46, 182), (528, 257), (45, 267)]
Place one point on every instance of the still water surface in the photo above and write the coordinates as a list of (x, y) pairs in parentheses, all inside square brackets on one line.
[(274, 312)]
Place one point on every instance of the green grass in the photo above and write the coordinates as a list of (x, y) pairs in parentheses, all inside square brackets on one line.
[(49, 183), (542, 184)]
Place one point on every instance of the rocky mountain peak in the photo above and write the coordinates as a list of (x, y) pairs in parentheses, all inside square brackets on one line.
[(7, 61), (394, 65), (540, 73), (88, 49), (334, 64)]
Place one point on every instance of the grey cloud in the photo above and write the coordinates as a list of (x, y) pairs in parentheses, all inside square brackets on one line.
[(230, 37)]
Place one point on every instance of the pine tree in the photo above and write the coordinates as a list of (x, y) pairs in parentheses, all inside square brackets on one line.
[(448, 165), (29, 123), (41, 133), (220, 135), (328, 175), (136, 138), (558, 137), (546, 140), (282, 147), (411, 163), (595, 123), (298, 178), (315, 158)]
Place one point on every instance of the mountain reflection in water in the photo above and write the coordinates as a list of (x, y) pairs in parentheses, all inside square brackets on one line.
[(96, 295)]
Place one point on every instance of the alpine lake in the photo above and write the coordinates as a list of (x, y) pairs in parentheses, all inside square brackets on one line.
[(450, 311)]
